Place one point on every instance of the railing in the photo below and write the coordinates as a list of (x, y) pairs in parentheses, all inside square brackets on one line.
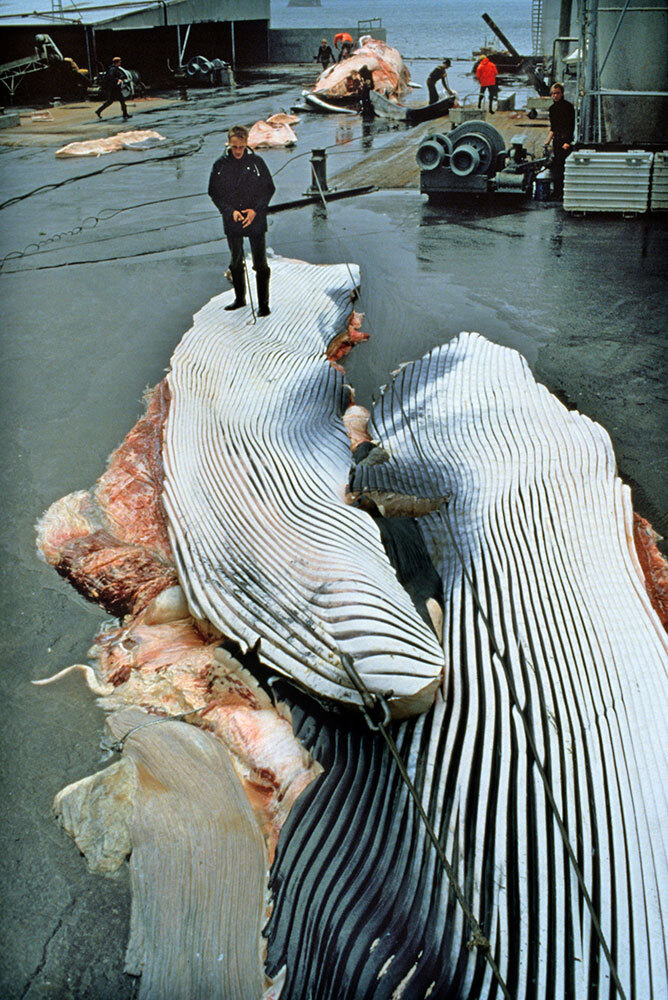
[(367, 26)]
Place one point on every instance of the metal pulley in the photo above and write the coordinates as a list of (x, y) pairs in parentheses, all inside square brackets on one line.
[(434, 151), (471, 148), (465, 160)]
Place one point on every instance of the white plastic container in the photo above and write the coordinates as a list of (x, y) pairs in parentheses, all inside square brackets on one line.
[(601, 181), (543, 186)]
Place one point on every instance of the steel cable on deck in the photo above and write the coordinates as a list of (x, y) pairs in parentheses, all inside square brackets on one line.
[(109, 213), (149, 253), (175, 154)]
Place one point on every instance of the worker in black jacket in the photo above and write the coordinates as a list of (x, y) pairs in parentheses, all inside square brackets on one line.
[(115, 81), (324, 55), (241, 188), (562, 127)]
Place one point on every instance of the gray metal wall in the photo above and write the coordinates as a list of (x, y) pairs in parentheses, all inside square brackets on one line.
[(193, 12), (637, 60), (299, 45), (631, 55), (551, 21)]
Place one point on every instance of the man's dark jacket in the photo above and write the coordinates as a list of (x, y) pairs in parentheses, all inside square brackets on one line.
[(238, 184), (114, 74), (562, 121)]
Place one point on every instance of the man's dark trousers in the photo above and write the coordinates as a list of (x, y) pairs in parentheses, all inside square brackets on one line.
[(558, 167), (258, 245), (114, 95)]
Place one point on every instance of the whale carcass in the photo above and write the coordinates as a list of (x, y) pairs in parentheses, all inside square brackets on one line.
[(539, 764), (342, 81), (257, 462)]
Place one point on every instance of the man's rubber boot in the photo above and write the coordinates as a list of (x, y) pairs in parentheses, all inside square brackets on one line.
[(262, 282), (239, 291)]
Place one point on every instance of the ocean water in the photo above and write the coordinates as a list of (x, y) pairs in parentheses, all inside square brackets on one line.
[(420, 29)]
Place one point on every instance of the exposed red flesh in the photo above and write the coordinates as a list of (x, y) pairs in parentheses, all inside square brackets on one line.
[(344, 342), (654, 566), (129, 491), (112, 543), (121, 578), (172, 669)]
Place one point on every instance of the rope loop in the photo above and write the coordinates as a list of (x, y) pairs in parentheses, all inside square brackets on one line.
[(479, 941)]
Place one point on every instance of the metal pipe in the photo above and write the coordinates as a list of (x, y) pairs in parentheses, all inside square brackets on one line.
[(234, 57), (500, 35), (182, 50), (561, 38), (312, 199), (565, 17), (604, 92), (88, 55), (590, 11)]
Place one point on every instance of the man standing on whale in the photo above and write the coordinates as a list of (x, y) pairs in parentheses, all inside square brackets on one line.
[(241, 188)]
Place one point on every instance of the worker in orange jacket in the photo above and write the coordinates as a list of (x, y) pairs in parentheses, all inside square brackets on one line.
[(346, 42), (487, 73)]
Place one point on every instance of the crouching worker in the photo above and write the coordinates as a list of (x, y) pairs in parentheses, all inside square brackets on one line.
[(241, 188)]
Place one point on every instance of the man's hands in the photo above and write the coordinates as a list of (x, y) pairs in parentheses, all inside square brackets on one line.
[(245, 216)]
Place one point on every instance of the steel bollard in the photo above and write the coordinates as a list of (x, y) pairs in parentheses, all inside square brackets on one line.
[(318, 172)]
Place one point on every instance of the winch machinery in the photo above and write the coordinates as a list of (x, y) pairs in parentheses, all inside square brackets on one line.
[(473, 159)]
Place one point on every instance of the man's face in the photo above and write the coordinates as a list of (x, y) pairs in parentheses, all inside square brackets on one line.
[(238, 146), (556, 93)]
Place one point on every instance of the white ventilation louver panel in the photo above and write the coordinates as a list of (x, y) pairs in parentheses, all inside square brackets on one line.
[(659, 193), (256, 466), (601, 181)]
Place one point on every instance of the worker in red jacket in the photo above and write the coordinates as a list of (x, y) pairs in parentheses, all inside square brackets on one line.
[(487, 73)]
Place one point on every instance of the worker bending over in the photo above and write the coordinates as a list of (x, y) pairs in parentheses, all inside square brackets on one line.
[(346, 42), (439, 73)]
